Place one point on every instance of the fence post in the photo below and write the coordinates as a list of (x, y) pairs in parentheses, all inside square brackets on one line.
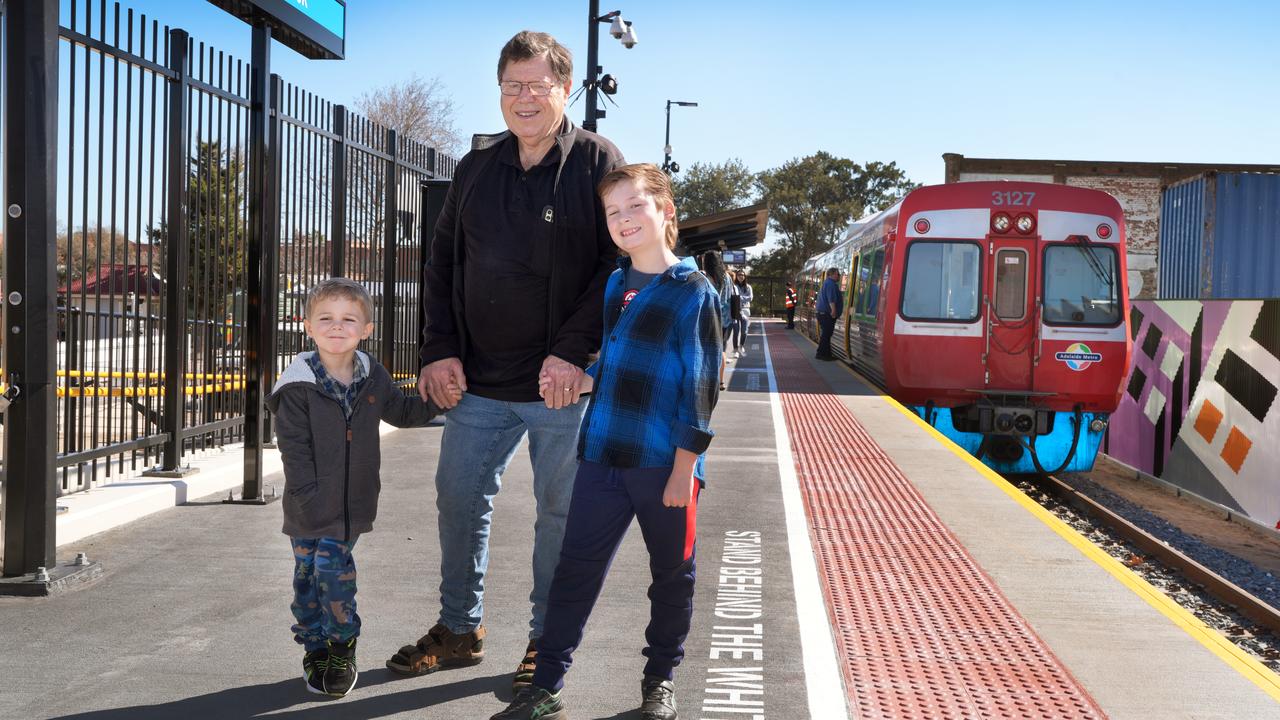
[(176, 258), (338, 193), (389, 259), (271, 257), (30, 331), (255, 268)]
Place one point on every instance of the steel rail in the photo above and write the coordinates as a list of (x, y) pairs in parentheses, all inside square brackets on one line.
[(1219, 587)]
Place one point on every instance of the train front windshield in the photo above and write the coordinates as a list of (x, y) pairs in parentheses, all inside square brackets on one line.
[(1080, 285)]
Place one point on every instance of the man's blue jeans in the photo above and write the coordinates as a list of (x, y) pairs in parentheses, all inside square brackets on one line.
[(480, 437)]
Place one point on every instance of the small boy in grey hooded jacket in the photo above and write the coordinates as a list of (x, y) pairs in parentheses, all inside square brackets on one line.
[(327, 406)]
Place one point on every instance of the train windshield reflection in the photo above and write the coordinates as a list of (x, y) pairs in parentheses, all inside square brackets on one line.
[(1080, 286), (941, 281)]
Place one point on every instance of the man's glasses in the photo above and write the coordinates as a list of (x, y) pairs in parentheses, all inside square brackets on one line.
[(536, 89)]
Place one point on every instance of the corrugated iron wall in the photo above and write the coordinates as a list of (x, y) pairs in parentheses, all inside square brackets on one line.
[(1246, 237), (1220, 237)]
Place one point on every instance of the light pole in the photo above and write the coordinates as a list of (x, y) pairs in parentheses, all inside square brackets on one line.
[(626, 34), (669, 167)]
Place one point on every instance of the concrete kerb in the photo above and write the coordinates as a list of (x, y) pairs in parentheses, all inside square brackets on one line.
[(109, 506)]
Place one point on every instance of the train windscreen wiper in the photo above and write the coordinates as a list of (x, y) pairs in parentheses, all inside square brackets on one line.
[(1086, 248)]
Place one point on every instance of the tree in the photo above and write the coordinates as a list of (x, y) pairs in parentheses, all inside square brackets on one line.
[(813, 199), (709, 189), (216, 187), (418, 109)]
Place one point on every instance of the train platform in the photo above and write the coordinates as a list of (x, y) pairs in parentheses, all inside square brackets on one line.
[(852, 564)]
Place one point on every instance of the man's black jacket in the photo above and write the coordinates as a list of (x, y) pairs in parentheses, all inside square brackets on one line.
[(584, 255)]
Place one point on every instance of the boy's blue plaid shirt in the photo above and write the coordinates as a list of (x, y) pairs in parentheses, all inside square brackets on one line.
[(658, 376)]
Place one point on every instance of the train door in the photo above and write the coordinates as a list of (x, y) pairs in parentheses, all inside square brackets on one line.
[(850, 283), (1011, 321)]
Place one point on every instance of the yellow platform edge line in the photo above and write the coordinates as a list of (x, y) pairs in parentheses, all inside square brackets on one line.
[(1239, 660)]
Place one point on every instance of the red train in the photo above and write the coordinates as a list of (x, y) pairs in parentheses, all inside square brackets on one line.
[(998, 310)]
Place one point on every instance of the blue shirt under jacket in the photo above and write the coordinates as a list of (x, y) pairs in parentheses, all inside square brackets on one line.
[(830, 293), (657, 378)]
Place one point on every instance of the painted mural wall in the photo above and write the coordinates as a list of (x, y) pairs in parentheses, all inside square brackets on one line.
[(1200, 411)]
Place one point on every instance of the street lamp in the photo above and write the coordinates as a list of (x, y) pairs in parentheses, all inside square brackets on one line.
[(625, 34), (669, 167)]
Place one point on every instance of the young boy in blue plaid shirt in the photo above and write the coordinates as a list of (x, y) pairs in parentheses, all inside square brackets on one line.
[(641, 445)]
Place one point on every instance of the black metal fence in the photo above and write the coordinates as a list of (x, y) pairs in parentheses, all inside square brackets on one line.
[(157, 272)]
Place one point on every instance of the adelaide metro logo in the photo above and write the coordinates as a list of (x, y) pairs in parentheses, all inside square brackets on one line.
[(1078, 356)]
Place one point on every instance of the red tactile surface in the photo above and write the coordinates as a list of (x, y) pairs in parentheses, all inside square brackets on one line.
[(920, 630)]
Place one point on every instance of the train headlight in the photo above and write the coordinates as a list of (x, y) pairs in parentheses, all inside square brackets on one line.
[(1001, 222), (1104, 231), (1025, 224), (1098, 425), (922, 226)]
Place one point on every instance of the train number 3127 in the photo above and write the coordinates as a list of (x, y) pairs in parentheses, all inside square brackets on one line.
[(1022, 199)]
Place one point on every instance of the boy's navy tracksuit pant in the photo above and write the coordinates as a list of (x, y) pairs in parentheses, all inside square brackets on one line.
[(604, 501)]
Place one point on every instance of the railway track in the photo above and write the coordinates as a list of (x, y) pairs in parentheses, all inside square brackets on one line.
[(1262, 640)]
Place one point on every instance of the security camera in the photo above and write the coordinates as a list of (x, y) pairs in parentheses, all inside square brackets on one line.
[(618, 26), (629, 38)]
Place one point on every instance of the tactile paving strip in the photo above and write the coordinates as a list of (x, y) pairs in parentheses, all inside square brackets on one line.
[(920, 630)]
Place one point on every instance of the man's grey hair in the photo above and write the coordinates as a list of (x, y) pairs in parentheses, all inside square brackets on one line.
[(528, 45), (833, 271)]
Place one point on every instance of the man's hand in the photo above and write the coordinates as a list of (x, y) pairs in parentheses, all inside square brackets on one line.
[(442, 382), (558, 382)]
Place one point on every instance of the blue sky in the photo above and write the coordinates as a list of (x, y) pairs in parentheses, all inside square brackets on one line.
[(890, 81)]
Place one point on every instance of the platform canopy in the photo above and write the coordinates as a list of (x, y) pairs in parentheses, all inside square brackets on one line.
[(728, 230)]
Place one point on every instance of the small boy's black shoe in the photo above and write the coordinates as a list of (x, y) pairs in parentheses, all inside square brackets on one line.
[(340, 674), (524, 671), (313, 667), (534, 703), (657, 698)]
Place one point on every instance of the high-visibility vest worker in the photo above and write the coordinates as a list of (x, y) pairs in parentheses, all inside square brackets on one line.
[(791, 297)]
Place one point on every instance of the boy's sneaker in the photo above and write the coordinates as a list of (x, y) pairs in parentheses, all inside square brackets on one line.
[(340, 674), (534, 703), (657, 698), (313, 667), (524, 671)]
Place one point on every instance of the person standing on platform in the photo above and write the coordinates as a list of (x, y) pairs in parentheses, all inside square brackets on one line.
[(713, 267), (829, 306), (327, 407), (744, 315), (514, 292), (791, 305), (642, 446)]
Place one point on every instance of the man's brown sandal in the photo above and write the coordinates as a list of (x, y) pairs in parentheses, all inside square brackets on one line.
[(439, 649), (524, 671)]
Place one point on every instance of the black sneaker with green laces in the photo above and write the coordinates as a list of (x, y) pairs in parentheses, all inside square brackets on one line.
[(340, 674), (657, 698), (313, 666), (534, 703)]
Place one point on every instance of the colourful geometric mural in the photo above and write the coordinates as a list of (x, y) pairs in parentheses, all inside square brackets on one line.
[(1200, 411)]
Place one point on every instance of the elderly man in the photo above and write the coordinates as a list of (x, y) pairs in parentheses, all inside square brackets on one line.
[(515, 289)]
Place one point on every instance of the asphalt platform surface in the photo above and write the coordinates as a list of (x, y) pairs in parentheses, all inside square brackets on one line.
[(191, 617)]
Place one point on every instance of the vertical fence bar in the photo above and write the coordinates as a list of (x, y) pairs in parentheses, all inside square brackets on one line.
[(176, 253), (258, 284), (338, 193), (271, 256), (30, 329), (389, 251)]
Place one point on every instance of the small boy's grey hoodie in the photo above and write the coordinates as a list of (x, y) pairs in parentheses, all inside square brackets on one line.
[(331, 463)]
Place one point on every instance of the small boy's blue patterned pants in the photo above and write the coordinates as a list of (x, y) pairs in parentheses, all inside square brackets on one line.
[(324, 592)]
